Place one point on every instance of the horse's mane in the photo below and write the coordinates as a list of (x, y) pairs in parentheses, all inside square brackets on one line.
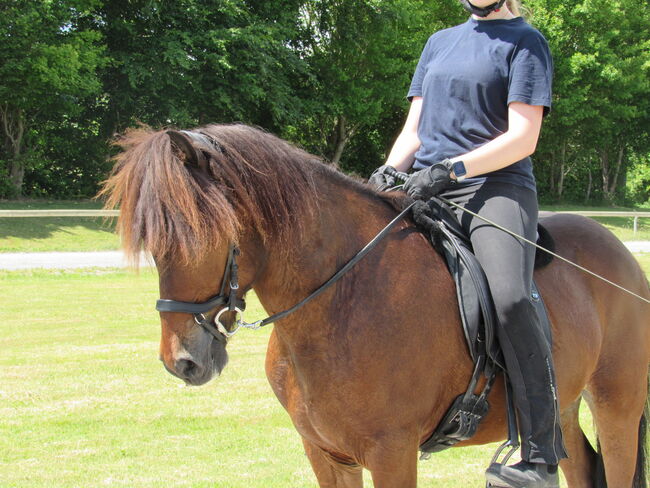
[(169, 207)]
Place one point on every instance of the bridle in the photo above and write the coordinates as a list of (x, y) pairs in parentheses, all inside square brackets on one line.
[(231, 303), (228, 303)]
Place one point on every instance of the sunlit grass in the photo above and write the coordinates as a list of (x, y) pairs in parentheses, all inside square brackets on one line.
[(36, 234), (644, 261), (96, 234), (84, 402)]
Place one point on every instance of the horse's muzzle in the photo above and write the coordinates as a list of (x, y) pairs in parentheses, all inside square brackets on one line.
[(196, 370)]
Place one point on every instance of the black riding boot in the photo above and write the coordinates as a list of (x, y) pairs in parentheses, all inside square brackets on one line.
[(523, 475)]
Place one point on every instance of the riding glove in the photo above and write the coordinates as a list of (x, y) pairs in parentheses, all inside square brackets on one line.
[(429, 182), (380, 180)]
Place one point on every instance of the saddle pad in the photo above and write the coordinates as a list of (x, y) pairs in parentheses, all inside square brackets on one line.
[(476, 307)]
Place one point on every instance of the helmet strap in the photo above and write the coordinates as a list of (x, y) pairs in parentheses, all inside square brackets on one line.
[(482, 11)]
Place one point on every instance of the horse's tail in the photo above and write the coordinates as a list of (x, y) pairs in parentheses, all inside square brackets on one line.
[(642, 473)]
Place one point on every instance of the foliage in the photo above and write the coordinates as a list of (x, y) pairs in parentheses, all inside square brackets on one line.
[(330, 75), (49, 70), (601, 114), (362, 55), (190, 62), (638, 182)]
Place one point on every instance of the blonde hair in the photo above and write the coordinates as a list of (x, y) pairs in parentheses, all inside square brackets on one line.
[(514, 6)]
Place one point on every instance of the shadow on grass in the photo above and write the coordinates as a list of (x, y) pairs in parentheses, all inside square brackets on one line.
[(43, 228), (49, 204)]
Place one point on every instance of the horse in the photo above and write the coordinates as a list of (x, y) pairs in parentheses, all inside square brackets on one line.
[(367, 369)]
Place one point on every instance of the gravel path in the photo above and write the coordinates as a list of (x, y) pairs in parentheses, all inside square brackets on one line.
[(66, 260), (115, 259), (638, 246)]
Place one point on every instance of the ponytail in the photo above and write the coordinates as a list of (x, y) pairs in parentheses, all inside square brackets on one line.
[(514, 6)]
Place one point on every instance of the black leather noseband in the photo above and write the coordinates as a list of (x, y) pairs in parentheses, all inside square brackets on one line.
[(228, 302)]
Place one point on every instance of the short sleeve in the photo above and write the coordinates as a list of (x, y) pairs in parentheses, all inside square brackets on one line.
[(420, 71), (531, 72)]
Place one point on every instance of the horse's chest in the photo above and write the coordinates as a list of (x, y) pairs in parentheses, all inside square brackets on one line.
[(315, 410)]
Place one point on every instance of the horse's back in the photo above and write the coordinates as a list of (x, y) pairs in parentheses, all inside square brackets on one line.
[(591, 245)]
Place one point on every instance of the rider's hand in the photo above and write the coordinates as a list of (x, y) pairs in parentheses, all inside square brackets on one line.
[(380, 180), (429, 182)]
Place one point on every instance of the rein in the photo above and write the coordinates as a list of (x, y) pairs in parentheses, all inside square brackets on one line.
[(404, 176), (231, 303)]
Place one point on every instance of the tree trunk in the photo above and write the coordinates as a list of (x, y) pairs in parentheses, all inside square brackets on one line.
[(13, 126), (617, 171), (563, 173), (589, 183), (610, 175), (604, 168), (342, 137), (552, 173)]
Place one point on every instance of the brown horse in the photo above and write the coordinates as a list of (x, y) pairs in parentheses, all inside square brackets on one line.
[(367, 369)]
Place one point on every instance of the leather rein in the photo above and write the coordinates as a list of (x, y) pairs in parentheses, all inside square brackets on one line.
[(231, 303)]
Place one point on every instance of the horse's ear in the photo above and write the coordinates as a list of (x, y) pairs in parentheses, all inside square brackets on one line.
[(193, 156)]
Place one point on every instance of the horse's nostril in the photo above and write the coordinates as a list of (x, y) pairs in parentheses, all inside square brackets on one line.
[(186, 368)]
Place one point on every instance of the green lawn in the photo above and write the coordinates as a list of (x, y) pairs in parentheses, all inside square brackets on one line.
[(33, 234), (96, 234), (644, 261), (49, 204), (84, 401), (36, 234)]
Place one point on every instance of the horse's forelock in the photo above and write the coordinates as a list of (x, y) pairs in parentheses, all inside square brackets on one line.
[(170, 208)]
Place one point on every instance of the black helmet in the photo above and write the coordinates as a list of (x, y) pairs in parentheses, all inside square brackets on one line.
[(482, 11)]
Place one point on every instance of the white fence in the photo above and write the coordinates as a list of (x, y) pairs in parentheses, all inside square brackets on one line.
[(115, 213)]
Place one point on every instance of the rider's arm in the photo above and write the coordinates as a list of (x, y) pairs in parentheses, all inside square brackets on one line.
[(518, 142), (402, 154)]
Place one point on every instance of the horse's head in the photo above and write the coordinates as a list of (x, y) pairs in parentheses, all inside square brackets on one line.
[(192, 297), (187, 197)]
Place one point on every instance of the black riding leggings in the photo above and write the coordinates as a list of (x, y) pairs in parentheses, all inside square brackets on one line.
[(509, 264)]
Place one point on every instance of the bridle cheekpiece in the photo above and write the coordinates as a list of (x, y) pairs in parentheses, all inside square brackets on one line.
[(228, 303)]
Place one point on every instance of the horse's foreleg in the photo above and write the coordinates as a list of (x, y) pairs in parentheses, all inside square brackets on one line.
[(331, 473), (394, 467), (580, 466)]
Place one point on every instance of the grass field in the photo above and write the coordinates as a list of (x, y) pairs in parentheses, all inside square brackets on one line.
[(36, 234), (84, 401), (96, 234)]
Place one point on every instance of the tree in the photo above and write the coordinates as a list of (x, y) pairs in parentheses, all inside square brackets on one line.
[(602, 85), (362, 55), (48, 67), (185, 62)]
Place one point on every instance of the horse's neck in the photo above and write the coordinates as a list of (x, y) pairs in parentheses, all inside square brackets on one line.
[(346, 220), (375, 311)]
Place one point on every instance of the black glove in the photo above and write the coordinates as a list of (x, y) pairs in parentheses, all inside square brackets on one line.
[(379, 180), (427, 183)]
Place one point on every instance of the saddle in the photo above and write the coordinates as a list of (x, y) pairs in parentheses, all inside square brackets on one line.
[(478, 317)]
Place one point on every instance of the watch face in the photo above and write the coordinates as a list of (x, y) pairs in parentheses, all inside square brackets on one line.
[(459, 169)]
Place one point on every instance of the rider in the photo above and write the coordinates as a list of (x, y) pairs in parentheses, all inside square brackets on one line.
[(478, 97)]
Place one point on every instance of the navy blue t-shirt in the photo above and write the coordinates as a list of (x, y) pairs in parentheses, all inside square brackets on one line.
[(467, 76)]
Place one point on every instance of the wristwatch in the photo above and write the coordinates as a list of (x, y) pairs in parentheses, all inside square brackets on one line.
[(458, 168)]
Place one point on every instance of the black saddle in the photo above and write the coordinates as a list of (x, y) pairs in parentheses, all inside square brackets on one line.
[(478, 317)]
